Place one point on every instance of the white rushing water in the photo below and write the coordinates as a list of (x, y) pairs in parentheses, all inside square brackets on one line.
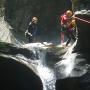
[(46, 74), (66, 65)]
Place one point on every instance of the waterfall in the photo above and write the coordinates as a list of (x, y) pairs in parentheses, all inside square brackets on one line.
[(66, 65), (46, 73)]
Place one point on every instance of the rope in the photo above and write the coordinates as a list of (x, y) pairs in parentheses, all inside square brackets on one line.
[(86, 21)]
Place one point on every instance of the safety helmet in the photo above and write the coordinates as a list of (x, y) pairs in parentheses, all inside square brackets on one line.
[(69, 13)]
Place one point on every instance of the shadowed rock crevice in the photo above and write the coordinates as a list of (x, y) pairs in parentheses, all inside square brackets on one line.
[(14, 75), (75, 83), (83, 44)]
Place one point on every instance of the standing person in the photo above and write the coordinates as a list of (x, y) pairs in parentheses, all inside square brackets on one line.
[(63, 20), (31, 32), (71, 27), (68, 26)]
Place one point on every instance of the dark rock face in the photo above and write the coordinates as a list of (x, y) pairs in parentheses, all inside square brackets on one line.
[(83, 34), (16, 76), (75, 83), (67, 84), (19, 12), (80, 5)]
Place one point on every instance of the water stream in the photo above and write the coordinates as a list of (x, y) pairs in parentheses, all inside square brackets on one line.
[(46, 73)]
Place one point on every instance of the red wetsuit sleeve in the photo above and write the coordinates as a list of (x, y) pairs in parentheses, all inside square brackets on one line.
[(63, 19)]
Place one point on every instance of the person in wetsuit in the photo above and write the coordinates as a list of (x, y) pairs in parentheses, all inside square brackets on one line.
[(68, 27), (31, 32)]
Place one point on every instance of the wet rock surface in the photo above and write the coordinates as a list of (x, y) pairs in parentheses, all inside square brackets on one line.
[(32, 56), (17, 76)]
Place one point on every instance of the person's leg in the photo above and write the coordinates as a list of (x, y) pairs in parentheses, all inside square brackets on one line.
[(34, 39), (73, 37), (30, 39), (62, 37), (69, 38), (63, 29)]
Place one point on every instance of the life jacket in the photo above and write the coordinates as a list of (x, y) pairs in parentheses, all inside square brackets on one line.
[(71, 24)]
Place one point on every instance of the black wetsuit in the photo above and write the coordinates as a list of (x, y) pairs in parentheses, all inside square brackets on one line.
[(32, 29)]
